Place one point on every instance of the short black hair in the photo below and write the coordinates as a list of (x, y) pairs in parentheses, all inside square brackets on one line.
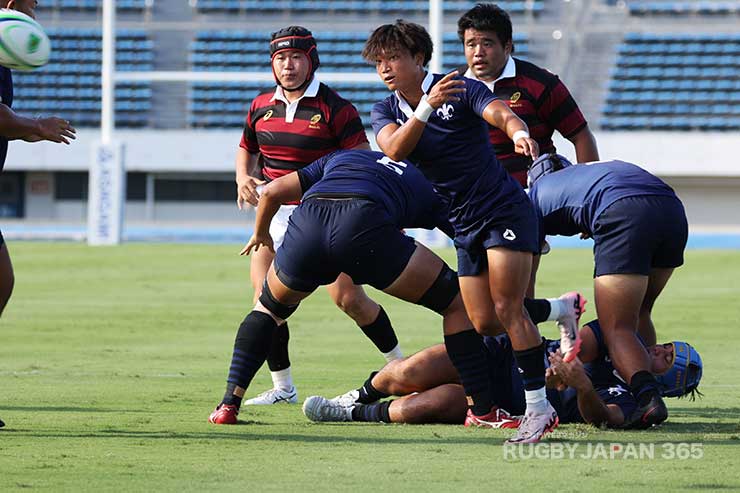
[(401, 35), (487, 17)]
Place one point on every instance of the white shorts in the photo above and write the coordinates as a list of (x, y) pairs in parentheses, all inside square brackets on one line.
[(280, 224)]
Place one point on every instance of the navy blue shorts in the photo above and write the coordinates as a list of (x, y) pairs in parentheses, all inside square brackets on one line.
[(515, 229), (636, 234), (327, 237)]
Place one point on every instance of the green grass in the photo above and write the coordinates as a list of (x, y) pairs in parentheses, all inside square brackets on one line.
[(112, 358)]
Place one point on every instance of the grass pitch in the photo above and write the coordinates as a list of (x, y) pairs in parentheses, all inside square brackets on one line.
[(111, 360)]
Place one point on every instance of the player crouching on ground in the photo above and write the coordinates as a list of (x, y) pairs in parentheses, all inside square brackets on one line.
[(588, 392), (640, 231)]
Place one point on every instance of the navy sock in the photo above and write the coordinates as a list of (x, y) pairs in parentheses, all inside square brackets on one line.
[(531, 363), (468, 355), (538, 310), (250, 350), (368, 393), (644, 386), (376, 413), (381, 332), (278, 358)]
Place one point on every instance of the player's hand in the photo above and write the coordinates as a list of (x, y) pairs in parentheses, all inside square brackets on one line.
[(55, 130), (32, 138), (257, 241), (553, 380), (246, 191), (572, 374), (445, 90), (527, 146)]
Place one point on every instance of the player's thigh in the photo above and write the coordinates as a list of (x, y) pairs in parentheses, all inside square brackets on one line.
[(7, 278), (476, 296), (282, 293), (344, 291), (444, 404), (657, 280), (427, 368), (508, 273), (259, 264), (422, 269), (618, 299)]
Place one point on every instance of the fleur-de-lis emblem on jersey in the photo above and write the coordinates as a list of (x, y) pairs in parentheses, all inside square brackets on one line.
[(445, 111), (616, 391)]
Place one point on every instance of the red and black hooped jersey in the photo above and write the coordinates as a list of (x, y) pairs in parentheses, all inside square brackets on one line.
[(322, 124), (544, 103)]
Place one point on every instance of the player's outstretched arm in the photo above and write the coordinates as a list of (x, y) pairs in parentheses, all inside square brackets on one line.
[(53, 129), (593, 410), (500, 116)]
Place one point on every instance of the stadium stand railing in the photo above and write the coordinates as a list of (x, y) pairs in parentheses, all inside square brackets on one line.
[(675, 82), (225, 104), (70, 83)]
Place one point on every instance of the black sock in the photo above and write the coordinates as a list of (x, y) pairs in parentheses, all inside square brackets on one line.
[(250, 350), (278, 358), (531, 363), (468, 354), (381, 332), (538, 309), (376, 413), (368, 393), (644, 387)]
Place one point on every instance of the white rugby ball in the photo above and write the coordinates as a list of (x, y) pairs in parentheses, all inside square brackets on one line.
[(24, 44)]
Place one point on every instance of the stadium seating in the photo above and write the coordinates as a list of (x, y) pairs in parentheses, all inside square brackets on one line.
[(225, 104), (93, 5), (70, 84), (684, 7), (675, 82), (381, 7)]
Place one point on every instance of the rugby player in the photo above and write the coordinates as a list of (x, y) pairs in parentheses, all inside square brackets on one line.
[(439, 123), (590, 392), (640, 230), (286, 129), (536, 95), (354, 205), (14, 127)]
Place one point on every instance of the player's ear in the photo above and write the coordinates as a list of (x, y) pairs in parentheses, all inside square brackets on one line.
[(419, 59)]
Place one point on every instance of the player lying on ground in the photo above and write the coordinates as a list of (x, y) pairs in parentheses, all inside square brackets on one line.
[(588, 392), (354, 205), (640, 230)]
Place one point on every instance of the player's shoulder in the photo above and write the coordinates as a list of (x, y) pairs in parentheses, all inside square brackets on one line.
[(264, 98), (331, 97), (528, 70)]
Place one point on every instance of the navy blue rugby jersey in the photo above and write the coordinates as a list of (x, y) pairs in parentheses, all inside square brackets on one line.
[(6, 93), (607, 383), (455, 153), (404, 192), (570, 201)]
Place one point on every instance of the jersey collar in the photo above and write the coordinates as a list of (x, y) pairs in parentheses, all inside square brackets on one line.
[(509, 72), (290, 108), (425, 85)]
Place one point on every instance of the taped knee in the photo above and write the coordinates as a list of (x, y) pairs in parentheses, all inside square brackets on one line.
[(279, 309), (443, 290)]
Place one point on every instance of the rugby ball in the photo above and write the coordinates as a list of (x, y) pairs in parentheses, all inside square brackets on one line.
[(24, 44)]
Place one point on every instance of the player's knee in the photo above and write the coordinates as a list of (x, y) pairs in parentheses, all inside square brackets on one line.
[(353, 302), (442, 293), (278, 308), (6, 289), (509, 310)]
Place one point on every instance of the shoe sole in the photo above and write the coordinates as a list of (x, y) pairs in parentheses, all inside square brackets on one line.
[(580, 310)]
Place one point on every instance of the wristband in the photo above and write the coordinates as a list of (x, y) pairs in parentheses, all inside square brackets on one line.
[(423, 110), (519, 134)]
